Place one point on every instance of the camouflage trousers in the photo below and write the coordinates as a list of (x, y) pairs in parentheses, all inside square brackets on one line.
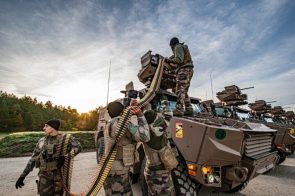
[(183, 79), (159, 182), (118, 183), (50, 183)]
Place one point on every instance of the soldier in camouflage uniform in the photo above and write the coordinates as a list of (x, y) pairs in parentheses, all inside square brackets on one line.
[(182, 63), (160, 159), (118, 181), (48, 160)]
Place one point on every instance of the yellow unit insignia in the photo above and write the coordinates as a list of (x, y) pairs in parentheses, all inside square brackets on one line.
[(178, 130)]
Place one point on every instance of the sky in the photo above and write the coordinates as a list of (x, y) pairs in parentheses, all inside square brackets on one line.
[(61, 50)]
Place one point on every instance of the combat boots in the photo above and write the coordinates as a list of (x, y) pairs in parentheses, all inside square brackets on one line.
[(177, 112)]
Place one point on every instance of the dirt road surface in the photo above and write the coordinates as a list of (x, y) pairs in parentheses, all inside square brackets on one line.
[(280, 181)]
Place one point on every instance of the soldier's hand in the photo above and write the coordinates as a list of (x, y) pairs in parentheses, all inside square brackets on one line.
[(166, 60), (135, 110), (133, 102), (20, 183)]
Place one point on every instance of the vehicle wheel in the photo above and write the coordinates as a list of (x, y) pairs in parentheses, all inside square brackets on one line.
[(282, 158), (142, 182), (100, 148), (238, 188), (183, 184)]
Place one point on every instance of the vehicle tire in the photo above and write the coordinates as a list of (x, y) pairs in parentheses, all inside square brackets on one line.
[(142, 181), (100, 148), (238, 188), (282, 158), (183, 184)]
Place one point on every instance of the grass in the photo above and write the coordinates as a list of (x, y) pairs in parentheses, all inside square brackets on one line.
[(23, 143), (4, 134)]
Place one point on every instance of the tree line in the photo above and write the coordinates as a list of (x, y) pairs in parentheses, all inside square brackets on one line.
[(27, 114)]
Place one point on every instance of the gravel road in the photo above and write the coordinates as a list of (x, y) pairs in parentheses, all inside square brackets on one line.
[(280, 181)]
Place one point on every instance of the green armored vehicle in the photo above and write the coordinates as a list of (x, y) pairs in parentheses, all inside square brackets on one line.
[(221, 153)]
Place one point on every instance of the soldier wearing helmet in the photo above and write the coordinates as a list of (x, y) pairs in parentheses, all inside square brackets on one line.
[(160, 158), (182, 63), (118, 181)]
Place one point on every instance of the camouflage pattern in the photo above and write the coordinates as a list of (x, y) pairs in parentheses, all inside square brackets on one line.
[(182, 63), (158, 178), (45, 158), (181, 57), (159, 182), (183, 79), (118, 181), (50, 183)]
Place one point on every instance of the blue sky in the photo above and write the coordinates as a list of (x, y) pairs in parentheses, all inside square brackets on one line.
[(60, 50)]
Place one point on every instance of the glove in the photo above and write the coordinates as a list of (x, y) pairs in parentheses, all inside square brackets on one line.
[(20, 182), (166, 60), (135, 110), (60, 162), (133, 102)]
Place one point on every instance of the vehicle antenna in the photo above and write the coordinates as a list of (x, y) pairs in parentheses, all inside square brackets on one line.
[(211, 86), (109, 82)]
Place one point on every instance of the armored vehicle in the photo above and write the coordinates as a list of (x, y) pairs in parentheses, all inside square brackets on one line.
[(274, 118), (216, 152), (221, 153), (261, 112)]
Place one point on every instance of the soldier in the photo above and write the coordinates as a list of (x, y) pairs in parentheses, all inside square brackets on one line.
[(118, 181), (160, 159), (46, 158), (182, 63)]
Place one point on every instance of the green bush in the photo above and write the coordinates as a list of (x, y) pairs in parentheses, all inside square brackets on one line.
[(23, 144)]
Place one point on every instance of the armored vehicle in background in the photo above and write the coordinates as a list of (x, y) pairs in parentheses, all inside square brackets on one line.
[(261, 112), (230, 100), (275, 119), (290, 116), (221, 153)]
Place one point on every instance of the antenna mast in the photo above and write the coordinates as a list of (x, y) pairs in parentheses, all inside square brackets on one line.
[(211, 86), (109, 82)]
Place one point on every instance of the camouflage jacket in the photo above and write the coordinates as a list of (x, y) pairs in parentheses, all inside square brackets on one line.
[(42, 147), (157, 131), (181, 57), (138, 130)]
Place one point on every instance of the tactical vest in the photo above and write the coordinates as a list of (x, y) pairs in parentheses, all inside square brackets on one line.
[(158, 152), (163, 159), (187, 59), (48, 157), (187, 56), (125, 146)]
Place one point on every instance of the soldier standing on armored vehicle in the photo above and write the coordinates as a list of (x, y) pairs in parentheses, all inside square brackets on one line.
[(160, 159), (118, 182), (48, 160), (182, 63)]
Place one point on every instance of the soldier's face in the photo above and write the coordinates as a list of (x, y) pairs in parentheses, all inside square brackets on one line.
[(48, 130)]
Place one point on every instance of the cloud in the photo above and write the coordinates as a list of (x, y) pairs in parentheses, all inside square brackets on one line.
[(63, 49)]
